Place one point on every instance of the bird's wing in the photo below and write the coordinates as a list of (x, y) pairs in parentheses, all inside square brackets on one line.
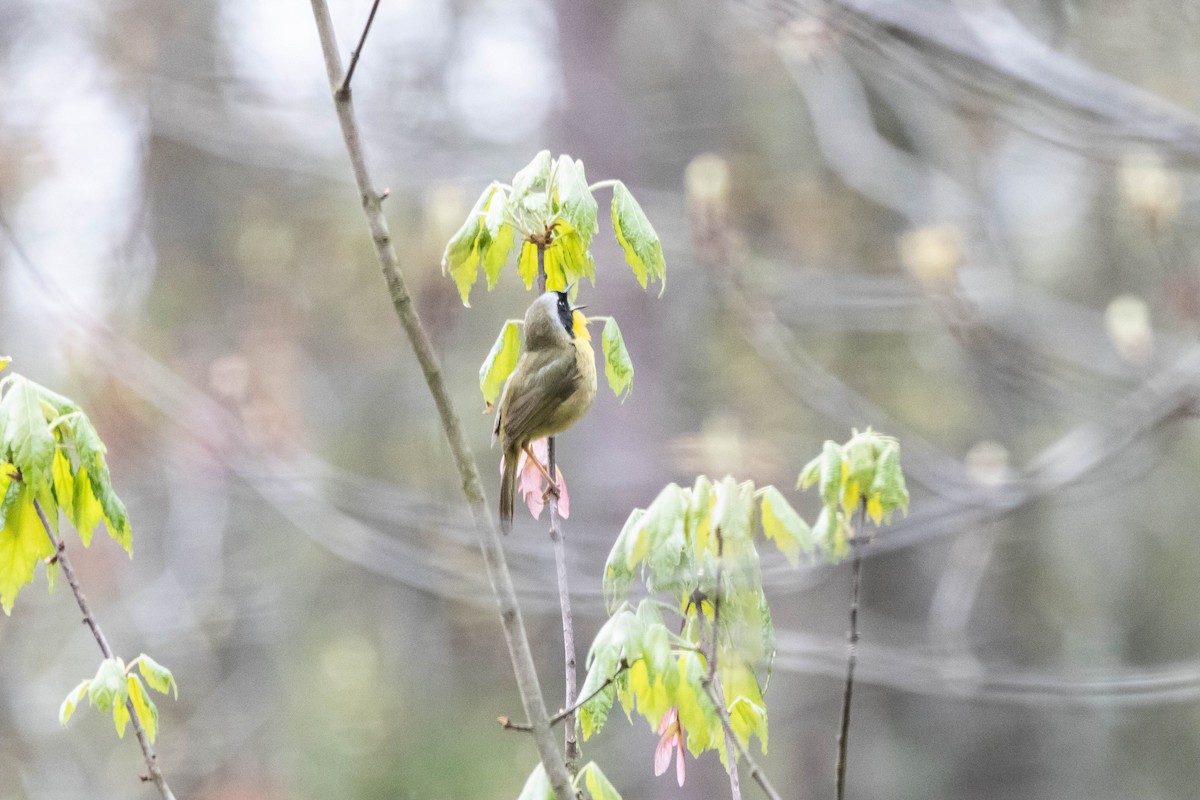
[(522, 413)]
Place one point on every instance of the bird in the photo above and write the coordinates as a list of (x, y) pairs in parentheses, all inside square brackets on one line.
[(551, 388)]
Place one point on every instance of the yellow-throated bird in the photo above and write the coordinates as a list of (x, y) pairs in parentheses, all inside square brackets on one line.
[(551, 388)]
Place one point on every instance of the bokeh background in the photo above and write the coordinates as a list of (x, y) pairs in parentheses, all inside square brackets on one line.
[(972, 225)]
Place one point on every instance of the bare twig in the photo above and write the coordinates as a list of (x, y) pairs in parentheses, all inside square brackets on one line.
[(485, 527), (60, 551), (560, 563), (843, 739), (344, 89), (508, 724)]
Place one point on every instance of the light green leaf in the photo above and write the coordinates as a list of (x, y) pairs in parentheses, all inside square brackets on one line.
[(462, 255), (598, 785), (832, 473), (594, 713), (495, 238), (576, 205), (108, 688), (638, 238), (657, 524), (859, 454), (810, 474), (25, 437), (537, 787), (617, 570), (733, 513), (889, 481), (91, 459), (617, 366), (784, 526), (72, 701), (831, 534), (158, 676), (143, 706), (500, 362), (533, 177)]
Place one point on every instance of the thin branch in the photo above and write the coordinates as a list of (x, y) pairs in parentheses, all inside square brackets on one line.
[(508, 724), (711, 679), (60, 555), (344, 89), (571, 742), (843, 739), (756, 771), (485, 526)]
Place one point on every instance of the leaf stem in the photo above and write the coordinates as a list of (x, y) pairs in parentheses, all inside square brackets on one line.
[(489, 536), (60, 555), (604, 184), (344, 89), (843, 739)]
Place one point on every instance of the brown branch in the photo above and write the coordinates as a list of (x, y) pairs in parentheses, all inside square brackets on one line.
[(564, 594), (508, 724), (485, 526), (756, 771), (60, 555), (843, 739), (356, 53)]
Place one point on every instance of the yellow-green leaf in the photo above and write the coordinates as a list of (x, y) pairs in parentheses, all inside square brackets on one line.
[(25, 437), (784, 526), (4, 362), (23, 543), (537, 786), (832, 473), (72, 701), (85, 512), (567, 259), (108, 688), (64, 482), (598, 785), (889, 481), (618, 368), (575, 203), (496, 238), (462, 255), (638, 238), (158, 676), (143, 706), (500, 362), (120, 713), (532, 177), (527, 263)]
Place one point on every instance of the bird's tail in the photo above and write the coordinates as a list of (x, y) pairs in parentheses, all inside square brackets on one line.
[(508, 490)]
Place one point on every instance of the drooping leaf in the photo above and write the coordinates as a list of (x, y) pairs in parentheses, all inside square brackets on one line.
[(527, 263), (23, 544), (143, 706), (784, 526), (85, 512), (594, 713), (91, 459), (25, 437), (618, 368), (733, 514), (158, 676), (496, 237), (575, 202), (8, 490), (537, 786), (500, 362), (889, 481), (638, 238), (72, 701), (618, 572), (120, 712), (832, 473), (462, 255), (598, 785), (567, 259), (4, 362)]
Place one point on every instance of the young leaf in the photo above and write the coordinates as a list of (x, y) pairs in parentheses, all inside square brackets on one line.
[(533, 176), (576, 205), (108, 688), (784, 526), (594, 713), (25, 437), (496, 238), (617, 366), (617, 570), (598, 785), (158, 676), (637, 237), (4, 362), (461, 257), (567, 259), (72, 701), (500, 362), (23, 544), (121, 716), (832, 473), (527, 264), (143, 706), (537, 787), (889, 481)]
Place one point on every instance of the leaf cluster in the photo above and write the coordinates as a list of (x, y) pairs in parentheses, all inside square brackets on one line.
[(116, 688), (695, 545), (49, 453), (549, 204), (863, 471)]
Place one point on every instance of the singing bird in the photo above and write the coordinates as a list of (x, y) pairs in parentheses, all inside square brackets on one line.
[(551, 388)]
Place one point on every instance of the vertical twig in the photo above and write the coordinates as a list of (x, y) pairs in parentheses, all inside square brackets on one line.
[(564, 594), (356, 53), (843, 739), (60, 554), (713, 680), (485, 526)]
